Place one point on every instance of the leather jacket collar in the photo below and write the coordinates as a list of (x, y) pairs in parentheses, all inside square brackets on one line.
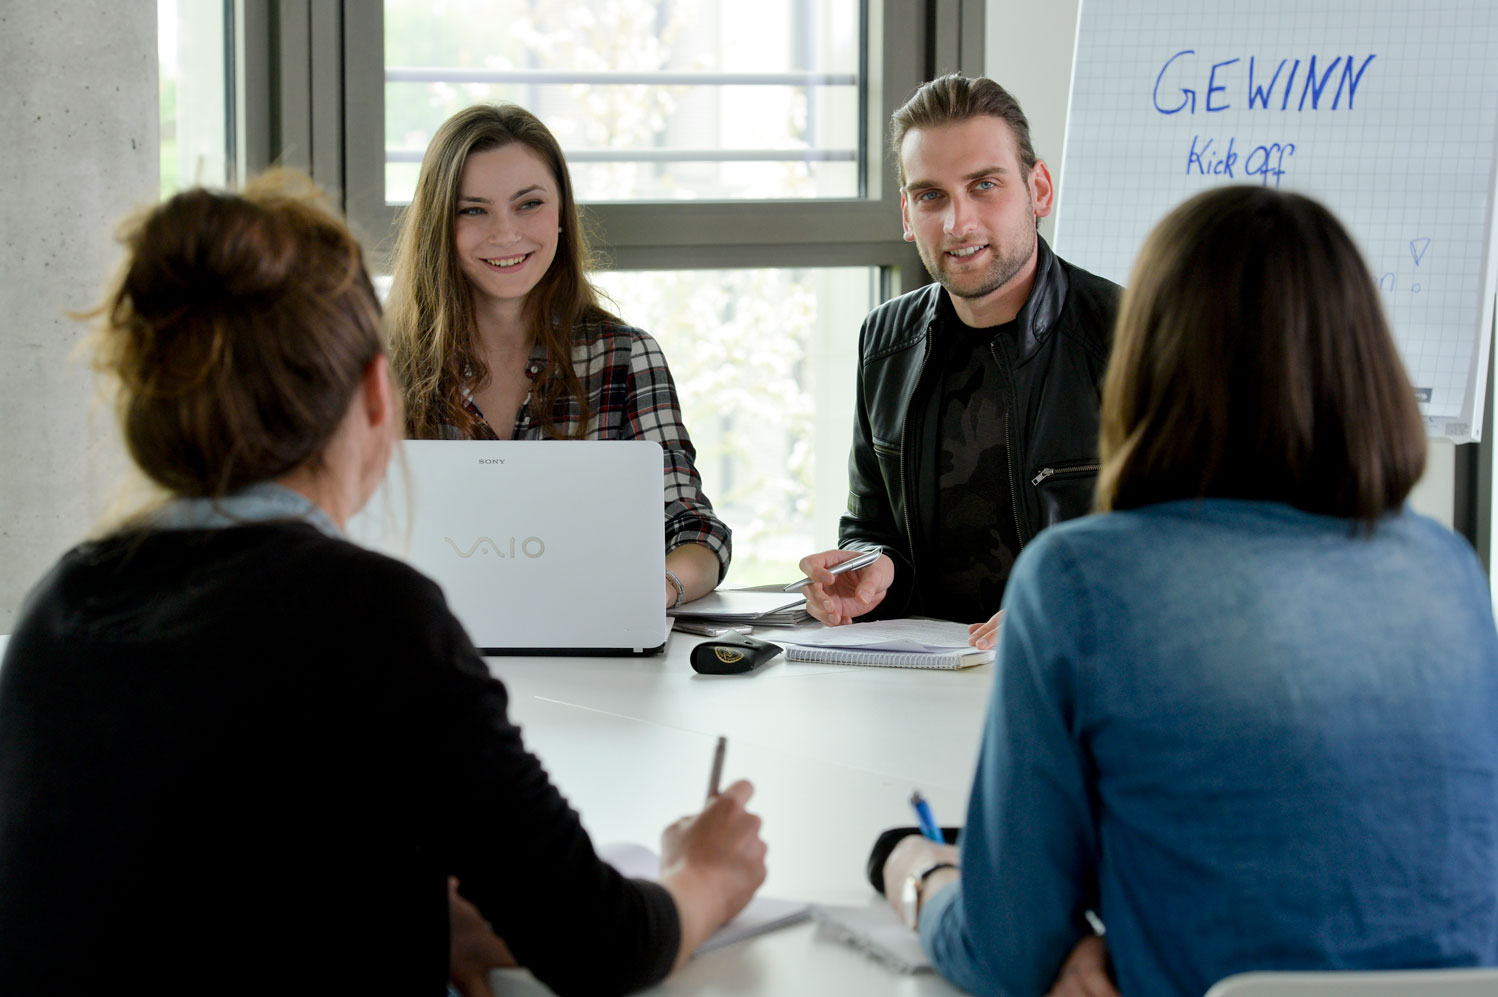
[(1035, 321)]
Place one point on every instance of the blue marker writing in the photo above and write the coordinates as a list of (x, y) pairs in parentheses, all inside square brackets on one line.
[(1315, 86), (1205, 160), (929, 828), (1268, 161)]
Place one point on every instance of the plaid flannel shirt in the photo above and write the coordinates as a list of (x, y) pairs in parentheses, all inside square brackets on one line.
[(632, 397)]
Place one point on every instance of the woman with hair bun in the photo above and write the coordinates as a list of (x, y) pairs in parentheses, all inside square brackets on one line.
[(238, 753), (1247, 715), (496, 332)]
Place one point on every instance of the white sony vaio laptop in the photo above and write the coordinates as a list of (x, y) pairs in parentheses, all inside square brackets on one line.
[(541, 547)]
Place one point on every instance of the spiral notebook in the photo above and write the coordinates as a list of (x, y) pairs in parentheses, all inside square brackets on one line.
[(889, 659), (887, 644), (877, 932)]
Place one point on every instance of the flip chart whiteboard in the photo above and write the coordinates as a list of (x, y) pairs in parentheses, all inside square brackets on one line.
[(1384, 110)]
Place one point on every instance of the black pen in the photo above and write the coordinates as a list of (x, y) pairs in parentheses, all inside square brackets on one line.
[(712, 782)]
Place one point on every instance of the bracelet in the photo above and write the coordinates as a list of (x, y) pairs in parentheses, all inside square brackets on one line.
[(681, 590), (910, 896)]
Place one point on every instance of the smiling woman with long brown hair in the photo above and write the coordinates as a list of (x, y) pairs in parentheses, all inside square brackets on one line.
[(497, 333)]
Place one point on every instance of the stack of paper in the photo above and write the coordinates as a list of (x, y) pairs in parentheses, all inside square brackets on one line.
[(752, 606)]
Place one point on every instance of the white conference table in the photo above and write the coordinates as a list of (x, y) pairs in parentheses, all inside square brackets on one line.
[(833, 751)]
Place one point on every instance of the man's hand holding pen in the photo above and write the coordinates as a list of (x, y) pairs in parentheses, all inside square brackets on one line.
[(835, 599)]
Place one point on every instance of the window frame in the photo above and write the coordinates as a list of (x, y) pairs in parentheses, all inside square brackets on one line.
[(313, 97), (660, 235)]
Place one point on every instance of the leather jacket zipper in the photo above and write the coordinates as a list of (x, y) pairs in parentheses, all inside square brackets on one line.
[(904, 449), (1019, 533), (1046, 472)]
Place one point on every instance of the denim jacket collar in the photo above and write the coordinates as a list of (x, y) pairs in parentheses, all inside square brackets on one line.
[(264, 501)]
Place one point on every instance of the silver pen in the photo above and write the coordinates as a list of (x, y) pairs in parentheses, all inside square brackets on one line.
[(851, 564)]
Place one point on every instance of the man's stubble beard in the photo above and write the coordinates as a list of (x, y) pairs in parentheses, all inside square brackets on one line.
[(1007, 262), (1000, 272)]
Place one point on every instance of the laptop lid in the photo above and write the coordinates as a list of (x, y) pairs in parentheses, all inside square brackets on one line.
[(541, 547)]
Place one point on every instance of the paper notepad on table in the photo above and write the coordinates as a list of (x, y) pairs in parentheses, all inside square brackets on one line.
[(761, 915), (877, 931), (887, 643)]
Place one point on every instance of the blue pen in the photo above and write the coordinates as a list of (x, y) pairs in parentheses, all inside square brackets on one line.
[(923, 817)]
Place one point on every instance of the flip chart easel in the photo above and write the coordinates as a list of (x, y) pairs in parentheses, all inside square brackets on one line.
[(1386, 112)]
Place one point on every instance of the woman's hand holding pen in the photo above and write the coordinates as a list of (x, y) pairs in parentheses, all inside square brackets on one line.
[(712, 863), (911, 855), (837, 599)]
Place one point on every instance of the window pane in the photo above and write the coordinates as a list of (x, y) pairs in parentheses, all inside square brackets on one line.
[(650, 99), (194, 105), (764, 362)]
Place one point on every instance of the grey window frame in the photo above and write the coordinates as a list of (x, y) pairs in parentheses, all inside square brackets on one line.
[(313, 97)]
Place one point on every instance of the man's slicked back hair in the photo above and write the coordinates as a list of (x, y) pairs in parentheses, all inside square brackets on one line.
[(955, 98)]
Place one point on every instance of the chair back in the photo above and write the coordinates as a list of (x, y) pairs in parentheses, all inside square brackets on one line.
[(1383, 983)]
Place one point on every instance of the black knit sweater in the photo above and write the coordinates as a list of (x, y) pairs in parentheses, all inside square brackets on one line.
[(248, 759)]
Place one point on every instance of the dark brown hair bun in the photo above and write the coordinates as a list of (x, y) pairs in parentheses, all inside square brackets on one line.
[(239, 329)]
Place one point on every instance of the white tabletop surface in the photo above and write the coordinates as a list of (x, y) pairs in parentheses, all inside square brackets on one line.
[(833, 751)]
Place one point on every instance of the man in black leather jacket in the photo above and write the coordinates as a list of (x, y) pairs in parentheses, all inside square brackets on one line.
[(977, 417)]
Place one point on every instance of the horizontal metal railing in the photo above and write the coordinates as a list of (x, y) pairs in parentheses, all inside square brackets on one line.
[(664, 78), (677, 155), (449, 74)]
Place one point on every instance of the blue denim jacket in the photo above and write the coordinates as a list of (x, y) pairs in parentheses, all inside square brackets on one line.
[(1246, 736)]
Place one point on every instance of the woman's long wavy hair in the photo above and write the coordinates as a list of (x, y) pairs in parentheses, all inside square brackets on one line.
[(430, 315)]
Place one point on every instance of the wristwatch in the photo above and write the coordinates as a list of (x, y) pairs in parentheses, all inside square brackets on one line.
[(910, 893)]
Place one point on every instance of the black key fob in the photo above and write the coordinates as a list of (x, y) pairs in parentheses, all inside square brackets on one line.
[(732, 654)]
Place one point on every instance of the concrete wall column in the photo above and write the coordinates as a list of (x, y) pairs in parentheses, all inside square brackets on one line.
[(79, 147)]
